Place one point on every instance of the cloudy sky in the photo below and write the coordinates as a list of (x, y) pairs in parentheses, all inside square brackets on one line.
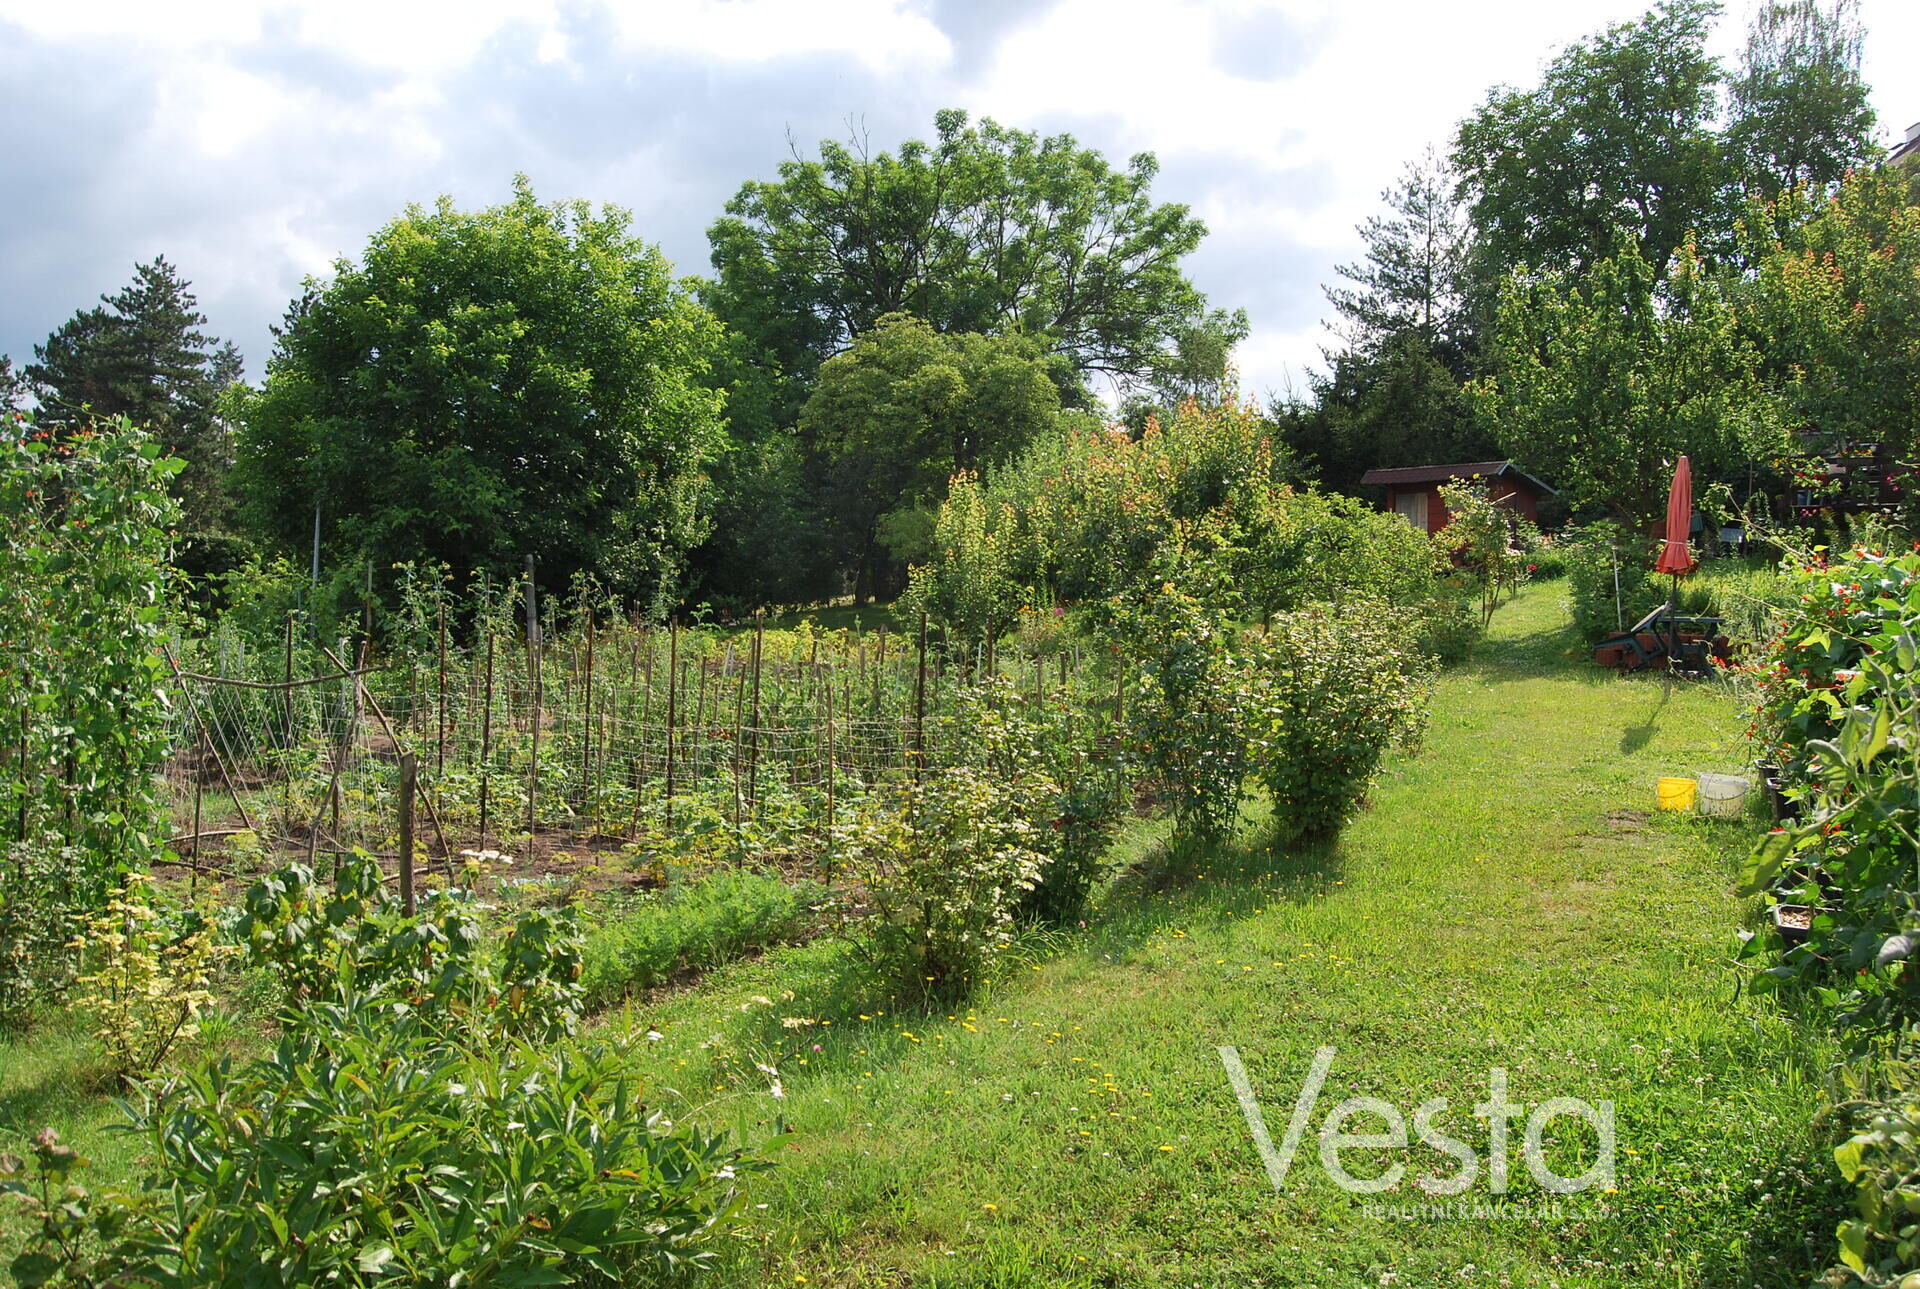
[(254, 144)]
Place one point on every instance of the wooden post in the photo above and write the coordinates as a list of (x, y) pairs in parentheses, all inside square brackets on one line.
[(197, 793), (920, 705), (26, 765), (193, 709), (534, 680), (673, 672), (829, 836), (286, 745), (440, 725), (586, 727), (486, 739), (753, 746), (409, 771)]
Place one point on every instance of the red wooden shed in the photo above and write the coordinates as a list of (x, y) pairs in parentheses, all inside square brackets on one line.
[(1413, 492)]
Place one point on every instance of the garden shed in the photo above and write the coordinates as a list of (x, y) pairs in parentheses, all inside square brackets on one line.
[(1413, 492)]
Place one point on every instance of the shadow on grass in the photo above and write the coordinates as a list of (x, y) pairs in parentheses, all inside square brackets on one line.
[(1254, 869), (1635, 737), (57, 1084)]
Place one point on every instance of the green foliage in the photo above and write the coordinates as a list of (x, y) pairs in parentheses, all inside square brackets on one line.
[(1488, 540), (1188, 707), (140, 354), (1618, 133), (1880, 1158), (59, 1207), (42, 887), (1835, 303), (692, 926), (1324, 548), (945, 861), (147, 978), (84, 522), (969, 584), (1594, 556), (1611, 374), (895, 416), (329, 943), (1838, 711), (1799, 113), (1337, 687), (368, 1151), (988, 230), (525, 380)]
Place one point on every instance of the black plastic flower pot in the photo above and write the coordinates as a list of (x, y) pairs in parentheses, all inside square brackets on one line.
[(1794, 922), (1785, 809)]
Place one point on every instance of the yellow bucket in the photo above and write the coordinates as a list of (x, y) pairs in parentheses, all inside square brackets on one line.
[(1675, 794)]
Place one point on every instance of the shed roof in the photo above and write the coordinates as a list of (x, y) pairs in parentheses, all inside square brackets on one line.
[(1444, 473)]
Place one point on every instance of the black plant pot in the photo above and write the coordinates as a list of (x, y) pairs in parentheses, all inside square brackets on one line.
[(1794, 922), (1785, 809)]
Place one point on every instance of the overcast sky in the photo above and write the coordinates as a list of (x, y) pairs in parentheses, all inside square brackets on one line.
[(252, 144)]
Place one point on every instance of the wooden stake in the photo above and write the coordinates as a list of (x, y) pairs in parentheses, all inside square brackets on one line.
[(409, 770), (486, 739), (534, 680)]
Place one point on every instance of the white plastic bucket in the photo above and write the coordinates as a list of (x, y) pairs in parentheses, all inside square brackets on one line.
[(1723, 795)]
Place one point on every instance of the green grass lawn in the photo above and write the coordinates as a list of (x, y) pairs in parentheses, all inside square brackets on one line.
[(1509, 899)]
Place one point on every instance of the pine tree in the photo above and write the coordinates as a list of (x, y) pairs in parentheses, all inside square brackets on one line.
[(1414, 277), (141, 353)]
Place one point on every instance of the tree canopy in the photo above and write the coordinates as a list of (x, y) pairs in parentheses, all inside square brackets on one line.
[(987, 229), (1608, 376), (525, 380), (140, 353), (1798, 106), (902, 411), (1619, 134)]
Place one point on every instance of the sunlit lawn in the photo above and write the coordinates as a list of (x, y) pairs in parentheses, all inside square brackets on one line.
[(1507, 901)]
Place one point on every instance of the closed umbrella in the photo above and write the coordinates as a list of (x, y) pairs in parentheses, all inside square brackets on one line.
[(1676, 557)]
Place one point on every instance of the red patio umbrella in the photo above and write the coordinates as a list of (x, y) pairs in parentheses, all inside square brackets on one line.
[(1675, 556)]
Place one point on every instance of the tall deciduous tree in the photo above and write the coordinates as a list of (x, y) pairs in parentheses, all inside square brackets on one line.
[(1618, 134), (1608, 376), (903, 410), (1798, 106), (141, 354), (526, 380), (987, 229)]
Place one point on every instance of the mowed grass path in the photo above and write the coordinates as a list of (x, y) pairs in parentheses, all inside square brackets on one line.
[(1507, 900)]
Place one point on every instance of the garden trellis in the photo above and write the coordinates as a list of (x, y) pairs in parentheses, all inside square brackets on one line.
[(611, 734)]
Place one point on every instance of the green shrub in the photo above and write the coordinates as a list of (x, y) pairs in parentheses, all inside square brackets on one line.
[(368, 1150), (945, 863), (692, 926), (1446, 626), (1187, 709), (148, 972), (1880, 1157), (84, 519), (1337, 688), (1594, 556), (353, 938), (38, 901)]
